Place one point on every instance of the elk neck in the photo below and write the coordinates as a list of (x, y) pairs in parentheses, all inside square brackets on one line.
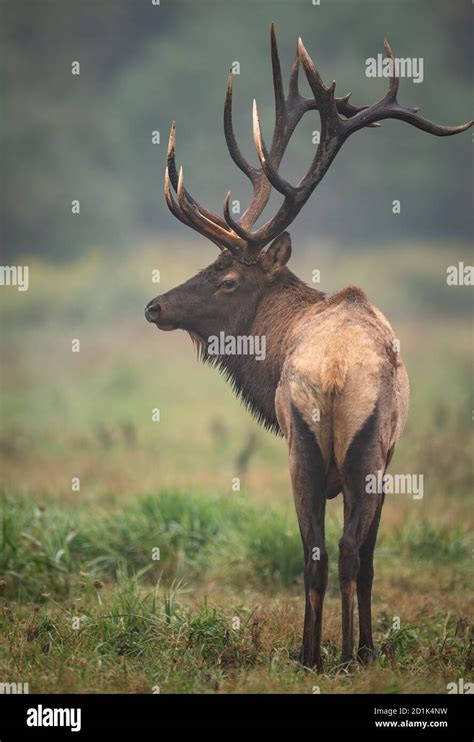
[(255, 381)]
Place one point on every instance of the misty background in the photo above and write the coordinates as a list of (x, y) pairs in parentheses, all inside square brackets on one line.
[(89, 136)]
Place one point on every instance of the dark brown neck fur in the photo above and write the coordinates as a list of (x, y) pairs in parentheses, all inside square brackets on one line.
[(254, 381)]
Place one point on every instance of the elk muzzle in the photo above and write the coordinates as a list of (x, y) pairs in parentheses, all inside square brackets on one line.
[(155, 312)]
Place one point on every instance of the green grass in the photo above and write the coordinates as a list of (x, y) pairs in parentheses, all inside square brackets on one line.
[(44, 550), (132, 638), (199, 537)]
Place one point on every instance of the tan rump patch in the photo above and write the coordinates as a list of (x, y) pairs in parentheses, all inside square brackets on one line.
[(334, 374)]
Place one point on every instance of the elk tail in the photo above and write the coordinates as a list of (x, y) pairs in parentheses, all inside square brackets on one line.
[(333, 374)]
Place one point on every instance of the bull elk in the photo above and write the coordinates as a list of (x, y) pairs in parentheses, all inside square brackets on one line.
[(334, 355)]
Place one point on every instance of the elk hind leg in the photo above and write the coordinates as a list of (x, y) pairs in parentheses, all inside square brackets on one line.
[(363, 457), (307, 473), (365, 577)]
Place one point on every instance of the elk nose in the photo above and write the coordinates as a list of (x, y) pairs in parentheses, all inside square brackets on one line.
[(152, 310)]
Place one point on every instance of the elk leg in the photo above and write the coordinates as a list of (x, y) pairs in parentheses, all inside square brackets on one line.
[(316, 572), (363, 457), (348, 570), (364, 589), (307, 475)]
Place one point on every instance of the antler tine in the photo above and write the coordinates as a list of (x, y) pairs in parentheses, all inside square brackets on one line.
[(280, 103), (331, 126), (285, 122), (288, 113), (171, 203), (349, 110), (271, 172), (189, 211), (394, 77), (261, 184), (324, 96), (188, 214), (331, 141), (388, 107), (293, 90), (176, 211), (314, 78), (174, 178), (342, 103), (233, 224), (249, 170)]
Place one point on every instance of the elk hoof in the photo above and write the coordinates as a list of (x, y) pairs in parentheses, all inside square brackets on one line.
[(310, 663), (365, 655), (345, 662)]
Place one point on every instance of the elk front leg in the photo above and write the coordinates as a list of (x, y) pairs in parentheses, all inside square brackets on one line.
[(307, 476)]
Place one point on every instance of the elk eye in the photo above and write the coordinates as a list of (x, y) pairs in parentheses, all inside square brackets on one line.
[(228, 284)]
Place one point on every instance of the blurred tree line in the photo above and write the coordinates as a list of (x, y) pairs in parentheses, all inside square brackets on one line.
[(89, 136)]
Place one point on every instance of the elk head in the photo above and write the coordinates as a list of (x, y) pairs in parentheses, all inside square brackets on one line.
[(225, 296)]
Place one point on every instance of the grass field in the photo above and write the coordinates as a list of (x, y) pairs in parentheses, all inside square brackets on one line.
[(85, 602)]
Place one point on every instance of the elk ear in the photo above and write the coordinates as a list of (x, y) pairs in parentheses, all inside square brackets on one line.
[(277, 255)]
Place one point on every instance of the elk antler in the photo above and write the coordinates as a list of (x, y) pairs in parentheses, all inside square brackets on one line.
[(339, 119)]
